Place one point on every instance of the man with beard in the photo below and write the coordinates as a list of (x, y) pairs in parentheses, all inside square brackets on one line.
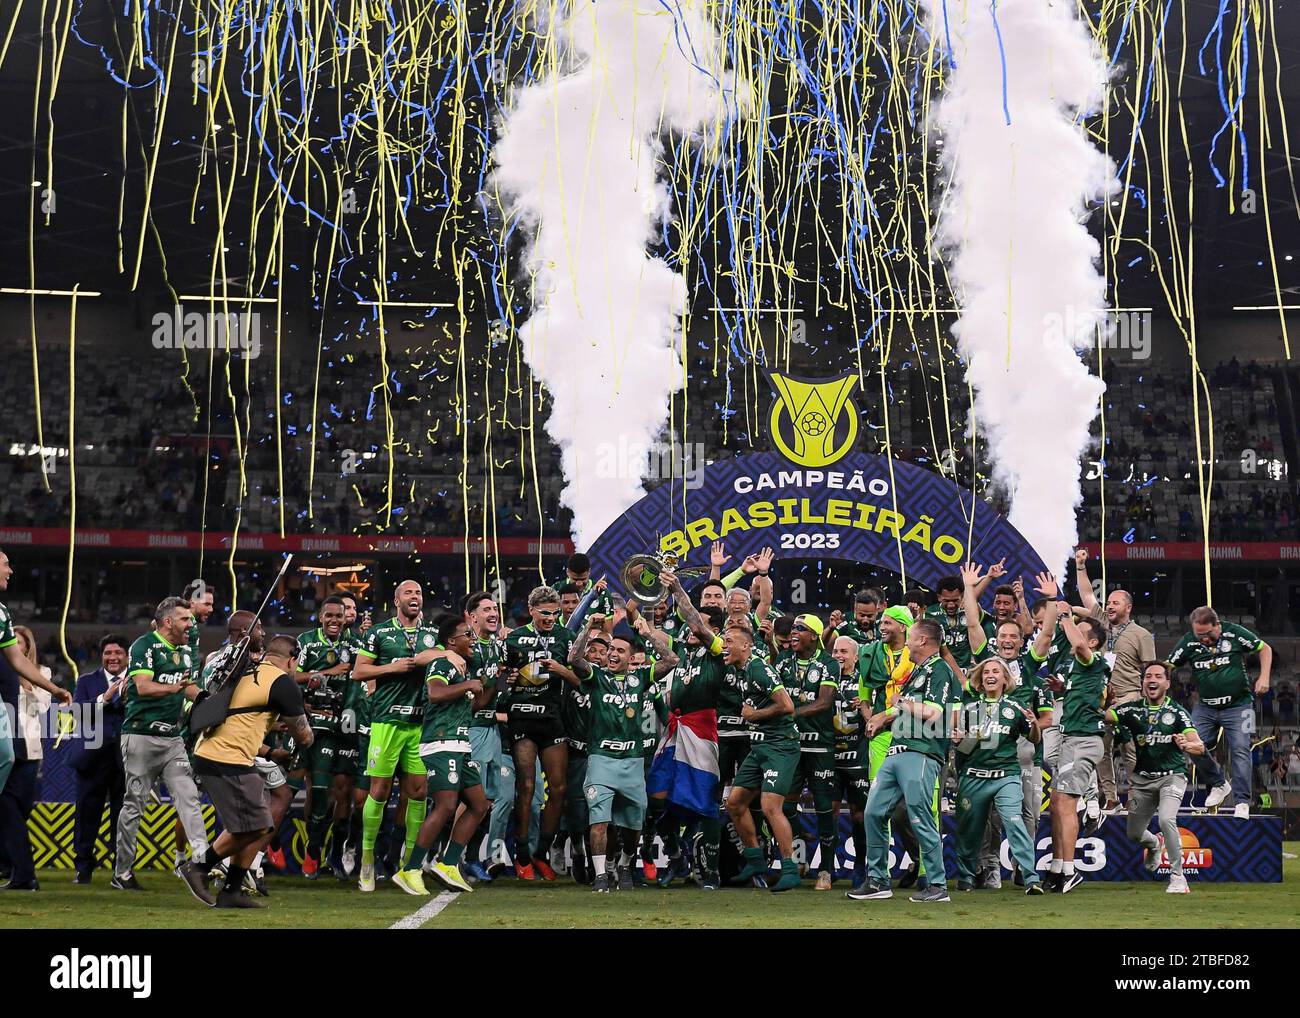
[(483, 616), (1129, 646), (395, 655), (323, 668), (615, 779), (864, 627), (852, 781), (952, 620), (536, 726)]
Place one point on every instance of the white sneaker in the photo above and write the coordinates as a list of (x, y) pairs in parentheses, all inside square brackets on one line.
[(1177, 885), (366, 881), (349, 857), (1217, 794), (1241, 811), (558, 861), (1152, 861)]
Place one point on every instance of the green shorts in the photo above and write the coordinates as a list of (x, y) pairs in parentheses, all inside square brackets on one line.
[(615, 791), (817, 771), (453, 771), (876, 750), (732, 751), (331, 754), (769, 766), (394, 745)]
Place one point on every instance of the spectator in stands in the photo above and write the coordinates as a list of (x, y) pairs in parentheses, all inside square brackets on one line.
[(97, 760), (1286, 703)]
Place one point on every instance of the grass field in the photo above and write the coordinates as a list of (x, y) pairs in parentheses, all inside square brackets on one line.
[(296, 903)]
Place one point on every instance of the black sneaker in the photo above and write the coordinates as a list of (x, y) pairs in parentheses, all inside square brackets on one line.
[(259, 883), (871, 891), (1071, 882), (601, 883), (126, 883), (1035, 888), (1018, 878), (980, 883), (625, 879), (197, 881), (26, 885), (711, 881), (236, 899), (578, 870), (964, 885), (81, 878), (909, 876), (933, 893)]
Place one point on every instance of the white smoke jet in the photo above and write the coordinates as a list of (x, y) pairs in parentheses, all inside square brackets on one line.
[(1023, 265), (578, 160)]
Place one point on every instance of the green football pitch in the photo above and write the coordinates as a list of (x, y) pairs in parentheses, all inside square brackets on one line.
[(506, 903)]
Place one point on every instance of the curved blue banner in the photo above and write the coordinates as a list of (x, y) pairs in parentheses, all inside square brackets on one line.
[(869, 509)]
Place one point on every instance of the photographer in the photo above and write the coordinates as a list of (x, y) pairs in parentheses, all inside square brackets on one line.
[(224, 760)]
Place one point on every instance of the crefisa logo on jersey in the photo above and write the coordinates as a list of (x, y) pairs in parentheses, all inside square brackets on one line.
[(1195, 857)]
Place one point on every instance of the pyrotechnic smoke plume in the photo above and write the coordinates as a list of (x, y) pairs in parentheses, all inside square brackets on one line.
[(578, 161), (1023, 264)]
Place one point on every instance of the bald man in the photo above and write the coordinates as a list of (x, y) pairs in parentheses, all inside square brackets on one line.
[(1128, 647)]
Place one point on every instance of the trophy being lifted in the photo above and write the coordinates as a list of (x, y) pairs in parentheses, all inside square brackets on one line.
[(640, 575)]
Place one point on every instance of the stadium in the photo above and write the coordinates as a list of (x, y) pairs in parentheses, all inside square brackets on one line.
[(820, 437)]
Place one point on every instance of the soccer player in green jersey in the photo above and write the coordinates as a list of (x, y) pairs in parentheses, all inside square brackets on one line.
[(395, 655), (989, 726), (323, 668), (161, 672), (910, 771), (851, 764), (1216, 651), (773, 760), (949, 615), (1164, 735), (1082, 724), (864, 627), (615, 780), (811, 678), (536, 726), (487, 652), (453, 773)]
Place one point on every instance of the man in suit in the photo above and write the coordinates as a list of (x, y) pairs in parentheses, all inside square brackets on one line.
[(97, 758)]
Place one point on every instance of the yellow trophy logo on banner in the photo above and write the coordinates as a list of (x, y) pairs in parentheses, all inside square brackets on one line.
[(813, 421)]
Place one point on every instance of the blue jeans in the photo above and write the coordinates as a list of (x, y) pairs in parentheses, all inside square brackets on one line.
[(1238, 725), (912, 778), (504, 804)]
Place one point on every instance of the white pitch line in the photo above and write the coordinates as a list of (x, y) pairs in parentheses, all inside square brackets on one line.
[(418, 918)]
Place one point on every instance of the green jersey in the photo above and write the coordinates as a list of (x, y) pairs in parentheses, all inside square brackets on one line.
[(993, 728), (854, 630), (696, 683), (400, 697), (731, 698), (955, 634), (760, 684), (617, 711), (931, 682), (525, 647), (653, 714), (7, 635), (192, 640), (448, 721), (803, 680), (155, 658), (1220, 671), (1085, 696), (485, 664), (881, 674), (847, 719), (318, 653), (1152, 729), (1059, 654)]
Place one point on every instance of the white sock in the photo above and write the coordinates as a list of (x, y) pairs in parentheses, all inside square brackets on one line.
[(598, 863), (257, 861), (1056, 866), (1068, 868), (625, 860)]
